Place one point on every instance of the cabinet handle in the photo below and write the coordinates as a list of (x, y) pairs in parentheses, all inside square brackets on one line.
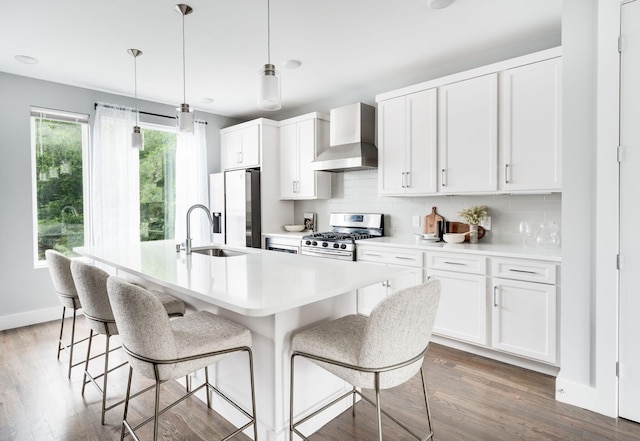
[(455, 263), (408, 180), (402, 180), (239, 157), (442, 178), (405, 258), (506, 174), (293, 186), (495, 289), (372, 255), (522, 271)]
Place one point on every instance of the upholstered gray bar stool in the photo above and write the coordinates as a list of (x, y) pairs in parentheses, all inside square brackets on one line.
[(376, 352), (59, 268), (161, 349), (91, 285)]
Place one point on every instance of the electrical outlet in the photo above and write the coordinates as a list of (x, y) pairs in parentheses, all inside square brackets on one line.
[(416, 221), (486, 224)]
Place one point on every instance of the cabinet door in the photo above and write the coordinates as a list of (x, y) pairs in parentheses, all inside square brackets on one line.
[(391, 145), (531, 127), (422, 145), (462, 311), (250, 154), (306, 154), (524, 319), (467, 135), (231, 148), (288, 161), (370, 296), (241, 148)]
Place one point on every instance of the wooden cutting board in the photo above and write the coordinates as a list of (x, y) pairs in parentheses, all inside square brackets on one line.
[(430, 221)]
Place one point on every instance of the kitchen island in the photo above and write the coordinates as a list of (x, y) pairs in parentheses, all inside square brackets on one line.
[(271, 293)]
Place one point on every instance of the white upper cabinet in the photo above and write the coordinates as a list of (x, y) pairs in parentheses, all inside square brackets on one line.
[(407, 144), (241, 146), (468, 135), (531, 127), (301, 139), (498, 129)]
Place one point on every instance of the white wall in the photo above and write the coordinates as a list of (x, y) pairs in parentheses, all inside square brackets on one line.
[(26, 293), (358, 192), (590, 193)]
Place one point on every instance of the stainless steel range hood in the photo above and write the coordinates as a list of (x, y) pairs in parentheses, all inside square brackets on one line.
[(351, 140)]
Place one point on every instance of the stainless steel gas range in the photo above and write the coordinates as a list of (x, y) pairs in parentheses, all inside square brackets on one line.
[(346, 228)]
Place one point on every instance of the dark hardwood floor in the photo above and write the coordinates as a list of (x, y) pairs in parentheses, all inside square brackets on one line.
[(471, 397)]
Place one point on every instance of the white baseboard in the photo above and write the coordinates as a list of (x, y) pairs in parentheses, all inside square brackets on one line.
[(32, 317)]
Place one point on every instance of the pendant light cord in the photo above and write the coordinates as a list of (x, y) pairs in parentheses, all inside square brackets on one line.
[(184, 74), (135, 85), (269, 31)]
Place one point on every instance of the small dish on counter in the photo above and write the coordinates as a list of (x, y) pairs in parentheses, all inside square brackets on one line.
[(454, 237), (294, 228)]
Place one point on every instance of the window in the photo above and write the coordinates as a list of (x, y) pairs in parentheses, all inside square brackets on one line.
[(59, 142), (157, 183)]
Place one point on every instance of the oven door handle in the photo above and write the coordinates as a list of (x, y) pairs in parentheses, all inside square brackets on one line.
[(337, 254)]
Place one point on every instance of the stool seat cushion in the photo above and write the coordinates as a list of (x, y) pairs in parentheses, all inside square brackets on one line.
[(397, 330), (148, 334)]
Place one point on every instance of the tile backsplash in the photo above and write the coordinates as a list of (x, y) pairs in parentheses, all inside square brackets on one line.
[(358, 192)]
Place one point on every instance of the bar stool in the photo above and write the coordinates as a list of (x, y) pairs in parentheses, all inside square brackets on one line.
[(59, 268), (91, 285), (162, 350), (376, 352)]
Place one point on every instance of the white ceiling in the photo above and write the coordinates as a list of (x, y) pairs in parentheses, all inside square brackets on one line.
[(349, 49)]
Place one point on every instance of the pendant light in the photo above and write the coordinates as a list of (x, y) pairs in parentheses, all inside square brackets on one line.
[(185, 116), (268, 78), (136, 135)]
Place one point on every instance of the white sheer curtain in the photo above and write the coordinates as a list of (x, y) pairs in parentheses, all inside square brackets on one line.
[(192, 184), (115, 188)]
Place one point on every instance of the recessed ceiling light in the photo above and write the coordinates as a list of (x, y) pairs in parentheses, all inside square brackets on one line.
[(206, 100), (439, 4), (26, 59), (292, 64)]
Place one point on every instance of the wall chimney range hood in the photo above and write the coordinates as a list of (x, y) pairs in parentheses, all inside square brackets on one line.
[(351, 140)]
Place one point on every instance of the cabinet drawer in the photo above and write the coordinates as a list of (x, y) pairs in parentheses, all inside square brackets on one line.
[(527, 270), (461, 263), (392, 256)]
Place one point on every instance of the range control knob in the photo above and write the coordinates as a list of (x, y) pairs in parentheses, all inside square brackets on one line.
[(324, 244), (314, 243), (343, 246), (336, 245), (308, 242)]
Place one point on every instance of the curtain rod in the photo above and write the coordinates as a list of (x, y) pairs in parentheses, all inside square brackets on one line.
[(110, 106)]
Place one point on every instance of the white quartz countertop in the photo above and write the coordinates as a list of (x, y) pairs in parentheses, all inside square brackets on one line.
[(258, 284), (502, 249)]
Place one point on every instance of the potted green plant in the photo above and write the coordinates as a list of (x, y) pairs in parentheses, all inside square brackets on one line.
[(473, 216)]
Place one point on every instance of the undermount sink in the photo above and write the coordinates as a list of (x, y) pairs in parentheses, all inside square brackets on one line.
[(216, 252)]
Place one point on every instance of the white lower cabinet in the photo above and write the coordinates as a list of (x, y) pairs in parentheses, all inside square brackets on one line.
[(370, 296), (523, 312), (462, 311)]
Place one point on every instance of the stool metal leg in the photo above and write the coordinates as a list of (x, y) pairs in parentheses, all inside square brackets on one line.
[(64, 309), (377, 384), (104, 379), (125, 425), (86, 363), (73, 334)]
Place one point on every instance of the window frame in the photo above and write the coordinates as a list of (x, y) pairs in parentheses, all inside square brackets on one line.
[(63, 116)]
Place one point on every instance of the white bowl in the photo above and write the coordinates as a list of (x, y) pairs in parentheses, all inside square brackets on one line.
[(294, 228), (454, 237), (428, 236)]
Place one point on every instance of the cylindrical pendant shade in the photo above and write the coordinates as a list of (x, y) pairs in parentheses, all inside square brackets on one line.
[(136, 138), (269, 88), (185, 119)]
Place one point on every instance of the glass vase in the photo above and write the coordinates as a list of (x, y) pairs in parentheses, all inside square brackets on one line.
[(473, 234)]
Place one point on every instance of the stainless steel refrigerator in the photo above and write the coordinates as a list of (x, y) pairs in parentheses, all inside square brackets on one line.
[(242, 208)]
